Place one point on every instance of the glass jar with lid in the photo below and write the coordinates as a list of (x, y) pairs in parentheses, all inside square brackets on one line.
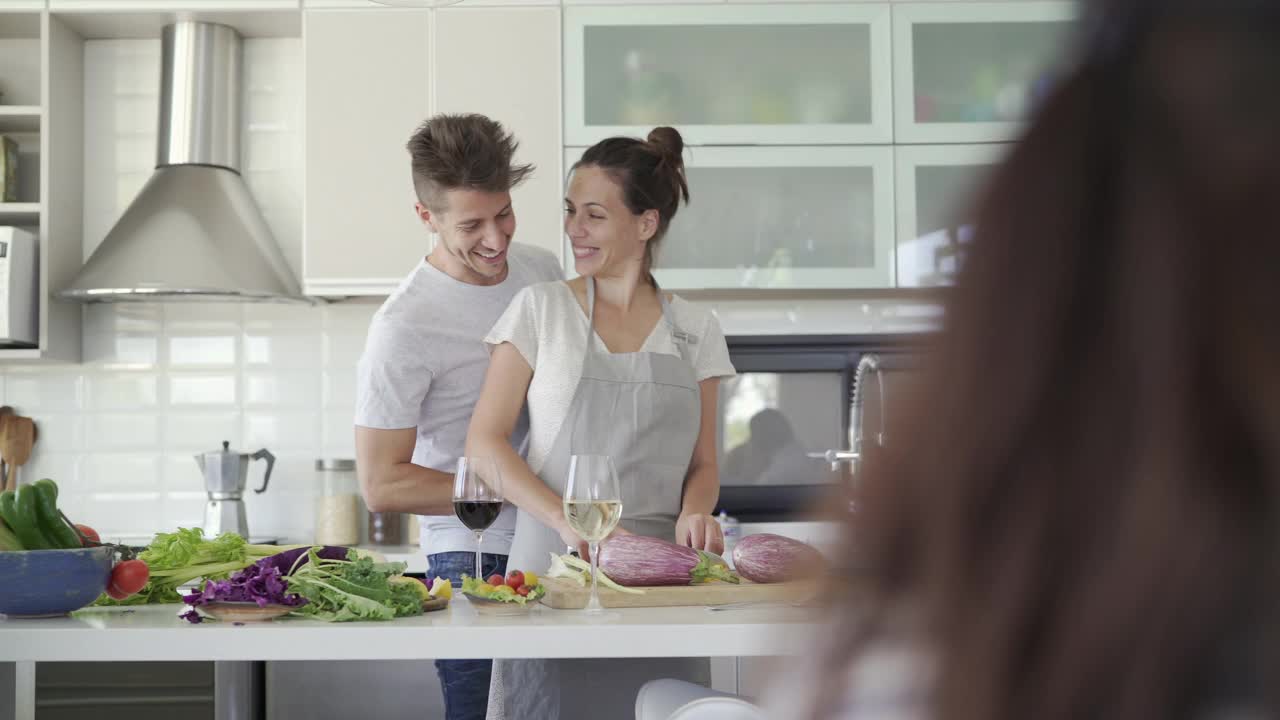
[(337, 502)]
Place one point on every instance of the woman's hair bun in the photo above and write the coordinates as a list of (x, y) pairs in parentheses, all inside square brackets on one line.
[(667, 140)]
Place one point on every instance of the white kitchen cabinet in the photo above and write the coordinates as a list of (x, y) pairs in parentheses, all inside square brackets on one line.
[(782, 218), (969, 72), (172, 5), (517, 84), (730, 74), (41, 76), (367, 89), (936, 187)]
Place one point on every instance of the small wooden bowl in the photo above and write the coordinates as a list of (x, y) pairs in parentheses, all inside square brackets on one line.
[(244, 611)]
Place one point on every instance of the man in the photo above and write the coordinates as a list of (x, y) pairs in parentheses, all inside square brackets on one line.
[(425, 360)]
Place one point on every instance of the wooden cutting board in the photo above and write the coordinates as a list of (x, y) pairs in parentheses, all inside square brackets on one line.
[(565, 595)]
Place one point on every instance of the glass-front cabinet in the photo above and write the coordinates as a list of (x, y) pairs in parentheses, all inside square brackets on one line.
[(791, 218), (972, 71), (936, 188), (730, 74)]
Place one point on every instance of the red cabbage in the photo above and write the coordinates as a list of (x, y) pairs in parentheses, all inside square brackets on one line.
[(284, 561), (255, 584)]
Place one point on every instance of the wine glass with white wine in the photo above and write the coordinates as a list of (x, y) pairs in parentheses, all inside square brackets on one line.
[(592, 507)]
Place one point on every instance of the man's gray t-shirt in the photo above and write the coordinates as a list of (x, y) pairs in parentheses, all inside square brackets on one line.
[(423, 365)]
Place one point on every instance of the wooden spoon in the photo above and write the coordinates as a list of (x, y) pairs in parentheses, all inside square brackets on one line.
[(5, 413), (19, 435)]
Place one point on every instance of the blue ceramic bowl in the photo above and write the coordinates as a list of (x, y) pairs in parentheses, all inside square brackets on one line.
[(35, 583)]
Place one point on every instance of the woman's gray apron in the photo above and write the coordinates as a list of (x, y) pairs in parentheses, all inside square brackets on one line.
[(644, 410)]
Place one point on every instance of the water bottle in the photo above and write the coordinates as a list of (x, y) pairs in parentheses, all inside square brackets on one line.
[(729, 527)]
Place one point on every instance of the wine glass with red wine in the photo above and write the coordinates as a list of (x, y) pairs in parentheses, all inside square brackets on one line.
[(477, 497)]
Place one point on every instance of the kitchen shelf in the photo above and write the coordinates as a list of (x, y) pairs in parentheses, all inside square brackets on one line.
[(22, 213), (20, 118)]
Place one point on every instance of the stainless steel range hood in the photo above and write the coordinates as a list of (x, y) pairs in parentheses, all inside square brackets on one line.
[(193, 232)]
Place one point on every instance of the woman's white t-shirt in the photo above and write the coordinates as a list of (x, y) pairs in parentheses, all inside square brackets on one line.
[(547, 325)]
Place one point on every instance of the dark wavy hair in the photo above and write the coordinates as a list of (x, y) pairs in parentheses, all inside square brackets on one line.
[(651, 174)]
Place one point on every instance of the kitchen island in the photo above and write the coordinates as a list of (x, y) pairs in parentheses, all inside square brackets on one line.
[(152, 633)]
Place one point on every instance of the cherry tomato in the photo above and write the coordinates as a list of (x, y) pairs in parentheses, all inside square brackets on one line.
[(515, 579), (523, 590), (495, 580), (88, 532), (129, 576)]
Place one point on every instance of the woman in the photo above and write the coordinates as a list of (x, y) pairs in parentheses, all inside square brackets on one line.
[(609, 365), (1083, 521)]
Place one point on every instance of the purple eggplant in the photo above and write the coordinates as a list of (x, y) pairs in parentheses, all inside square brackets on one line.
[(639, 561), (769, 558)]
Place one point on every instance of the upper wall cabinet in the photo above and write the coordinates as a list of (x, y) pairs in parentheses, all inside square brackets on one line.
[(970, 72), (781, 218), (367, 89), (730, 74), (526, 101), (936, 188)]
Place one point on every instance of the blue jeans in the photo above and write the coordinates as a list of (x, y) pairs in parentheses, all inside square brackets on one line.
[(465, 683)]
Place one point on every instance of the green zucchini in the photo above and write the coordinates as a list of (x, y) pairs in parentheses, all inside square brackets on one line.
[(22, 523)]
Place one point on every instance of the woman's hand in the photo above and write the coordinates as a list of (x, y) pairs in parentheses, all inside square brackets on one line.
[(700, 531), (572, 540)]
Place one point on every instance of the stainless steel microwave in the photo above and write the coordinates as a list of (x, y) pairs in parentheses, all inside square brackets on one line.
[(789, 404), (19, 288)]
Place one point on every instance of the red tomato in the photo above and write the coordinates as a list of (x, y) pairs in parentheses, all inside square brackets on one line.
[(88, 532), (523, 590), (115, 594), (128, 577), (515, 579), (495, 580)]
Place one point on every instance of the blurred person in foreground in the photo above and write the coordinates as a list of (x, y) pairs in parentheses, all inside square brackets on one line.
[(1082, 516)]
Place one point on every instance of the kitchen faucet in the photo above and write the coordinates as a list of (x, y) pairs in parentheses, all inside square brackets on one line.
[(867, 364)]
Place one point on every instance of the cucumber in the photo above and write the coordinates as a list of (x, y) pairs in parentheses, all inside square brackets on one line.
[(55, 529), (23, 524)]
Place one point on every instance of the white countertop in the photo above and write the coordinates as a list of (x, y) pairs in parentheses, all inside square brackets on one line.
[(156, 633)]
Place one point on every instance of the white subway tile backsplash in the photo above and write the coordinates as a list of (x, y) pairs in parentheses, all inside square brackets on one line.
[(202, 389), (340, 389), (57, 466), (121, 352), (183, 476), (342, 351), (110, 432), (283, 348), (56, 432), (280, 431), (31, 393), (339, 433), (120, 472), (202, 351), (277, 317), (201, 431), (281, 390), (180, 509), (121, 391)]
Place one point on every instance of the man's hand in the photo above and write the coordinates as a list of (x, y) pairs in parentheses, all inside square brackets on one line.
[(700, 532)]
